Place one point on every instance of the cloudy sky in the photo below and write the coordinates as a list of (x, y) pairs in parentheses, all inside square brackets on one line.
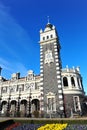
[(20, 22)]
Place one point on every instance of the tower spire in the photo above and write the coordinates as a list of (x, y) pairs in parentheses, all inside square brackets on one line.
[(0, 70)]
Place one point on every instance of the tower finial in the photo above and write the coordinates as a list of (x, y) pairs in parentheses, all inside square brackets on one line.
[(0, 70), (48, 19)]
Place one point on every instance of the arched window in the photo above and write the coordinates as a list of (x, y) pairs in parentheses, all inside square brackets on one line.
[(47, 37), (72, 81), (43, 38), (78, 82), (51, 36), (65, 81)]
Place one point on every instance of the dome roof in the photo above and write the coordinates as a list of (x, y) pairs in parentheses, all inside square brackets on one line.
[(49, 25)]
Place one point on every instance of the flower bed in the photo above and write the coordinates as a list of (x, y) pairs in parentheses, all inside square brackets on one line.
[(11, 127), (50, 127), (39, 127), (76, 127), (53, 127), (47, 124)]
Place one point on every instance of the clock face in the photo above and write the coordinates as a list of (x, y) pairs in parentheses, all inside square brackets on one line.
[(48, 55)]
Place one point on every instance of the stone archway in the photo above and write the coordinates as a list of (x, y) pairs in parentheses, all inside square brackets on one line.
[(35, 107), (13, 107), (4, 107), (23, 107)]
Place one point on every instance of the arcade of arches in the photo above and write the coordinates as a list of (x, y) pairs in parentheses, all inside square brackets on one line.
[(21, 106)]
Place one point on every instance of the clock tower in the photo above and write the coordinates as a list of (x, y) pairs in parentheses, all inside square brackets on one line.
[(50, 73)]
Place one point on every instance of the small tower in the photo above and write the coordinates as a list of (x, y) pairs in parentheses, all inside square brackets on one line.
[(50, 72)]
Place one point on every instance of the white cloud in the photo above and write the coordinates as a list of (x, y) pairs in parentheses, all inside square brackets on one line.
[(8, 68)]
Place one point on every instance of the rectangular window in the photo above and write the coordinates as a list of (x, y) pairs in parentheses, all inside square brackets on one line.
[(51, 104), (76, 104)]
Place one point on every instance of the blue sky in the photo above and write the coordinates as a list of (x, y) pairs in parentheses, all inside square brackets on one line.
[(20, 22)]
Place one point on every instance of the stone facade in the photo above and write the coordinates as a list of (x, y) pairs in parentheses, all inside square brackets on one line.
[(56, 92)]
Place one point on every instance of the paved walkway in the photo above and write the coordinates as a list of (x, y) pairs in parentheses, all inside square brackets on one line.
[(21, 118)]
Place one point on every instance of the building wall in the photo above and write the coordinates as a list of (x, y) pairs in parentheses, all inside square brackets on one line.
[(55, 92)]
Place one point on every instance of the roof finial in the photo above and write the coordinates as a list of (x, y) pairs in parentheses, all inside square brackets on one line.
[(0, 70), (48, 19)]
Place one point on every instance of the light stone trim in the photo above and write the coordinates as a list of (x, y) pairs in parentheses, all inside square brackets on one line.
[(41, 67), (56, 56), (55, 43), (60, 96), (41, 59), (56, 53), (41, 74), (58, 76), (41, 83), (41, 63), (41, 56), (41, 70), (41, 50), (57, 68), (59, 91), (41, 88), (41, 53), (71, 91), (41, 46), (56, 60), (61, 108), (58, 72), (59, 81), (61, 102), (57, 64), (55, 49), (59, 86)]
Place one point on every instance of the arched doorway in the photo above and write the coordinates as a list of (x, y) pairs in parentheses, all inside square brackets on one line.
[(35, 107), (36, 104), (4, 107), (23, 107), (13, 108)]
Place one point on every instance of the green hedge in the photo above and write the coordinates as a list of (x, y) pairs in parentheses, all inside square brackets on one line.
[(39, 121)]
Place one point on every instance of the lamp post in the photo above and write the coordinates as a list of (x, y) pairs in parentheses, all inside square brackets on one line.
[(29, 115)]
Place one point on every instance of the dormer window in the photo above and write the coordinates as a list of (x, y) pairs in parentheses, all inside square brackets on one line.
[(30, 75)]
